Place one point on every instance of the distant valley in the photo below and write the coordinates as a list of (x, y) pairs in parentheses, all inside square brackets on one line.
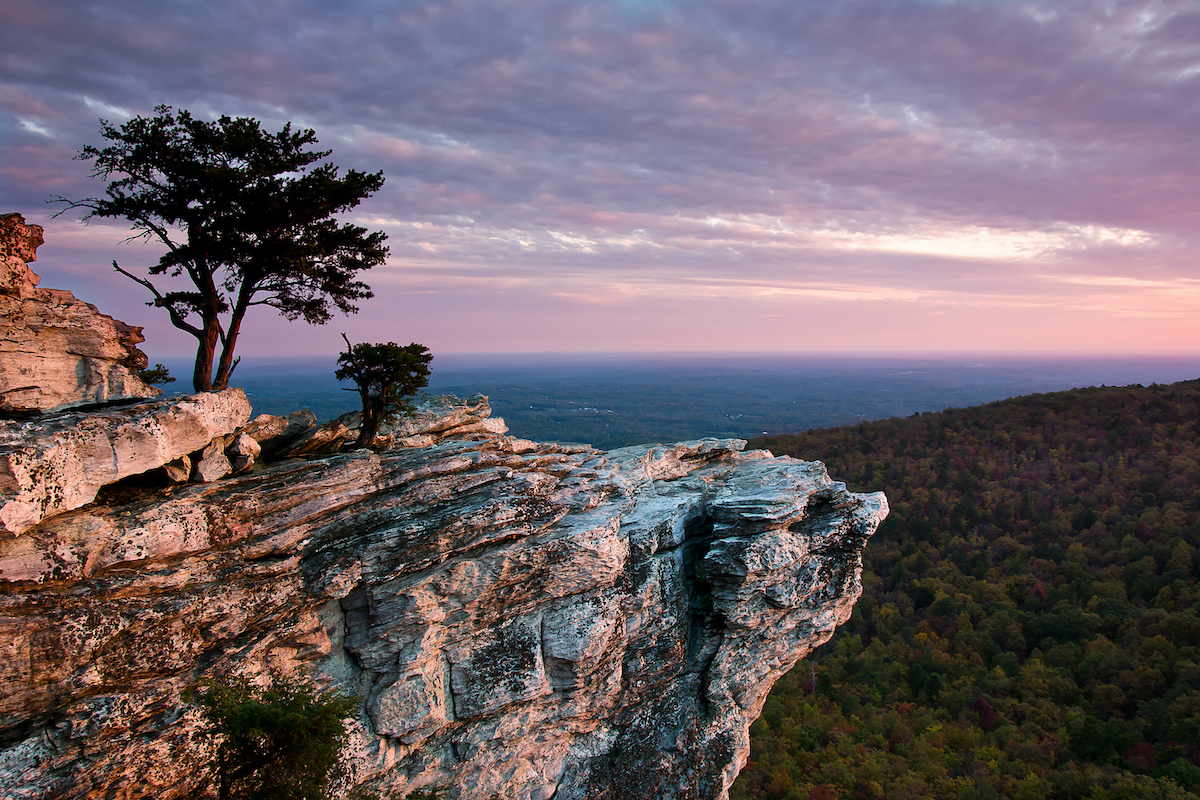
[(615, 400)]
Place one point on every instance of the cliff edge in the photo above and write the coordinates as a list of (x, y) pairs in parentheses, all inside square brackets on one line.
[(518, 621), (521, 620)]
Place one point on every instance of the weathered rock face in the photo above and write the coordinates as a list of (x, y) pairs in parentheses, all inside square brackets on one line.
[(428, 422), (522, 620), (57, 462), (57, 351)]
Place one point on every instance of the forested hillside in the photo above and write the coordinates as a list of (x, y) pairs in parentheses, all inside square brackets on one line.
[(1028, 626)]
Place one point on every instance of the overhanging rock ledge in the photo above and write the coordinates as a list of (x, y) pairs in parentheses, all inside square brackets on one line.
[(522, 620)]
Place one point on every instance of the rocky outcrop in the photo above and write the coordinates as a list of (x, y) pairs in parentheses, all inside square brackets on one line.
[(55, 350), (427, 422), (56, 462), (18, 246), (520, 620)]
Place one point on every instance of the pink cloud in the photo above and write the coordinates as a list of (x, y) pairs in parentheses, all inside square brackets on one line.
[(899, 172)]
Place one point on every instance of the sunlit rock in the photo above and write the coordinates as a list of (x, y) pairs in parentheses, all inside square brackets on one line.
[(56, 462), (57, 351), (521, 620)]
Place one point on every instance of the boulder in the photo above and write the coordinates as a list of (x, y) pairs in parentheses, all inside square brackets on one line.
[(273, 433), (57, 351), (56, 462), (179, 470), (212, 464), (242, 452), (322, 440)]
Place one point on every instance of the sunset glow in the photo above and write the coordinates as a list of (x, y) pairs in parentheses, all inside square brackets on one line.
[(669, 176)]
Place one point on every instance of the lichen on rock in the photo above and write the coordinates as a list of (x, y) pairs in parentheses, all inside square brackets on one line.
[(521, 620), (57, 462)]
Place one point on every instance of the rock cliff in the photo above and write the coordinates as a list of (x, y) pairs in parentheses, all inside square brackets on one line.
[(521, 620), (57, 351)]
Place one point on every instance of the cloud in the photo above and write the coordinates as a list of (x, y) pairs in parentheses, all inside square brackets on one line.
[(893, 151)]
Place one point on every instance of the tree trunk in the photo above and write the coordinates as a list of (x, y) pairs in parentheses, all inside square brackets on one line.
[(227, 363), (205, 350), (372, 415)]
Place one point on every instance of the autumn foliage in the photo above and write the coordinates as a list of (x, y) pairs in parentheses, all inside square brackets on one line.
[(1028, 626)]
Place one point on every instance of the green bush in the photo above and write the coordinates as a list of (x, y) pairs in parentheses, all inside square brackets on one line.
[(279, 743)]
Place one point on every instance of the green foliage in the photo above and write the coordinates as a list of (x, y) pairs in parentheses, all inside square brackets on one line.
[(281, 743), (159, 374), (244, 219), (1028, 626), (387, 375)]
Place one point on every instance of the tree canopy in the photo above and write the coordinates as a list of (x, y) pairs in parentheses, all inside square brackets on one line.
[(279, 742), (1028, 625), (245, 217), (386, 376)]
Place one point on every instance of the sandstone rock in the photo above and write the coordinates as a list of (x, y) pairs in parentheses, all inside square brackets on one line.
[(243, 451), (431, 420), (322, 440), (445, 415), (56, 462), (55, 350), (18, 246), (522, 620), (274, 433), (179, 470), (212, 465)]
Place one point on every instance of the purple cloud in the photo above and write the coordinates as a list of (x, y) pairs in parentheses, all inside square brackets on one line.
[(893, 162)]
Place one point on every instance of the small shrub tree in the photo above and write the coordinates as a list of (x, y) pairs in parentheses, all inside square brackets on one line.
[(159, 374), (387, 375), (281, 743)]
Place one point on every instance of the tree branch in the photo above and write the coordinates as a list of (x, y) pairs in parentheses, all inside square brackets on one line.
[(177, 319)]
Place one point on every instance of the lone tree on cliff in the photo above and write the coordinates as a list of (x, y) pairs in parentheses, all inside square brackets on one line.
[(242, 216), (386, 375)]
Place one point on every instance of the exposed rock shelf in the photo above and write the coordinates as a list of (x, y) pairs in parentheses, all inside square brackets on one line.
[(522, 620), (57, 351), (57, 462)]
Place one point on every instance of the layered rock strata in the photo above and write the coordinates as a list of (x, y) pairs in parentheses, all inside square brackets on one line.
[(56, 462), (57, 351), (521, 620), (428, 422)]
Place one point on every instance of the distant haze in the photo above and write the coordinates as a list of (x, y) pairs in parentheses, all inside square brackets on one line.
[(671, 175), (617, 399)]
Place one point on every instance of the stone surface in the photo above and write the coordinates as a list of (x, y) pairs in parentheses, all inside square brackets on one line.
[(521, 620), (56, 462), (57, 351), (179, 470), (321, 440), (273, 433), (18, 246), (243, 451), (436, 418), (213, 464), (431, 420)]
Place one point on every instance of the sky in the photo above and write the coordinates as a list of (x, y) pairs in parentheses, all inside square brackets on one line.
[(651, 175)]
